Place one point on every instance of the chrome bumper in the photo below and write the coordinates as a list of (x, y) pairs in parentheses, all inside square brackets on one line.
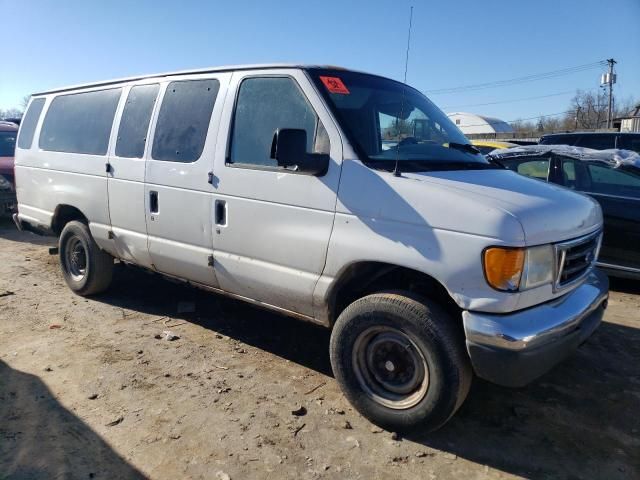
[(514, 349)]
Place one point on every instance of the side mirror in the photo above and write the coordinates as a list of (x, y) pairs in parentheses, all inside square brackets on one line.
[(289, 149)]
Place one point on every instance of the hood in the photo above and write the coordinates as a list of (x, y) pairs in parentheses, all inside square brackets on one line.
[(493, 203), (547, 212), (6, 165)]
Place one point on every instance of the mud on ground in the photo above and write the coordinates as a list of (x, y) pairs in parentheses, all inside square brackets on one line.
[(87, 391)]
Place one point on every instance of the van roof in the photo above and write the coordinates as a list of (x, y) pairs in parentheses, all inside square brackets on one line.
[(186, 72)]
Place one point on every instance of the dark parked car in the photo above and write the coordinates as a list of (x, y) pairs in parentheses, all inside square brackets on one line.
[(8, 134), (612, 177), (15, 120), (595, 140)]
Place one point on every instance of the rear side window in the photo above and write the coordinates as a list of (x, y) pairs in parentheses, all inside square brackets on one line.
[(559, 140), (134, 125), (184, 119), (80, 123), (612, 181), (629, 142), (7, 143), (264, 105), (597, 142), (29, 122)]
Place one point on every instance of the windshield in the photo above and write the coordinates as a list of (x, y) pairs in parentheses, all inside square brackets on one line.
[(7, 143), (388, 121)]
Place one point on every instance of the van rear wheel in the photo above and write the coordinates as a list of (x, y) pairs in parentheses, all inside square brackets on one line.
[(86, 269), (400, 361)]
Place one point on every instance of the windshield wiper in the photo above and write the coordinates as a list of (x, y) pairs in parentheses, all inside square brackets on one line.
[(444, 166), (464, 147), (428, 165)]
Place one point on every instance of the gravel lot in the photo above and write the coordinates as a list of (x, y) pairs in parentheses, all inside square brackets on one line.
[(87, 391)]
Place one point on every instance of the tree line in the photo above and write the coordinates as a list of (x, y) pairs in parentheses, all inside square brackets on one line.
[(15, 112), (587, 111)]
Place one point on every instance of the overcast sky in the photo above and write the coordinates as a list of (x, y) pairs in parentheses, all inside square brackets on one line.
[(454, 43)]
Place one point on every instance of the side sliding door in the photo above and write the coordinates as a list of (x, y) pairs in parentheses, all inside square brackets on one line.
[(178, 195), (126, 168)]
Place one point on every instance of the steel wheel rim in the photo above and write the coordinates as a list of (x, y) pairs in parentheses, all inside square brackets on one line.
[(76, 259), (390, 367)]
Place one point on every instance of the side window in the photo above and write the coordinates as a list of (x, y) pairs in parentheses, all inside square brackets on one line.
[(629, 142), (575, 175), (597, 142), (7, 143), (612, 181), (80, 122), (184, 119), (29, 122), (559, 140), (569, 173), (265, 104), (531, 167), (134, 125)]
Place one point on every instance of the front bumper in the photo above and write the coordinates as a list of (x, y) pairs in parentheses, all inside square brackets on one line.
[(514, 349)]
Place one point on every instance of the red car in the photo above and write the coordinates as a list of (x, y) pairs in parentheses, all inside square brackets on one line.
[(8, 135)]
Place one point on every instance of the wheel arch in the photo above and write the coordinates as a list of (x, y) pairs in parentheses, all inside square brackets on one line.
[(64, 214), (367, 277)]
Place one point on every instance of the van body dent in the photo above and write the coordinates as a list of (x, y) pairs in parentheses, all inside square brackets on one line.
[(342, 198)]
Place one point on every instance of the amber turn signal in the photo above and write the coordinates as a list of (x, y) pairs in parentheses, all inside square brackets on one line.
[(503, 267)]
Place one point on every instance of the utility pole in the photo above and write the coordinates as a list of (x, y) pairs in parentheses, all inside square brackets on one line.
[(609, 80)]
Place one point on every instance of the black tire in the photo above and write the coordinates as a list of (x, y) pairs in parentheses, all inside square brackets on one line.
[(86, 269), (376, 373)]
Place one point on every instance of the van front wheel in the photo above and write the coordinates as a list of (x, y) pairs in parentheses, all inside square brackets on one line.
[(400, 361), (86, 269)]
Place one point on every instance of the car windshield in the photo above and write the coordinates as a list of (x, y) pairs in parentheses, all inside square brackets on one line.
[(7, 143), (388, 121)]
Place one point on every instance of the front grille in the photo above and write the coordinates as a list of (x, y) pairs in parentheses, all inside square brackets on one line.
[(575, 258)]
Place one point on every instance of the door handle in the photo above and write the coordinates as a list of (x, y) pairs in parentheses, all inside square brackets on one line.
[(221, 213), (153, 202)]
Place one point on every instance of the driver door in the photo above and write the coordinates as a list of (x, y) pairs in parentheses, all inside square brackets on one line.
[(272, 226)]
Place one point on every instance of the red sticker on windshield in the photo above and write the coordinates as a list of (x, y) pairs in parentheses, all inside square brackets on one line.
[(335, 85)]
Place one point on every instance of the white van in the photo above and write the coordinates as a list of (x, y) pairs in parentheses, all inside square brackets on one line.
[(338, 197)]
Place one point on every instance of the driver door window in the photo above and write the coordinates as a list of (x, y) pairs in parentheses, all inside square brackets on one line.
[(533, 167), (265, 104)]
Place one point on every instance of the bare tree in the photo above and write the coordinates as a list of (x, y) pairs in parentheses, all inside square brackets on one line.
[(589, 109), (10, 113), (623, 106), (523, 127), (24, 102)]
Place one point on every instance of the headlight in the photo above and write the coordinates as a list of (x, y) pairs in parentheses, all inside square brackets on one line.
[(513, 269)]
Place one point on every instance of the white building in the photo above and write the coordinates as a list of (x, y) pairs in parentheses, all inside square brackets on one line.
[(630, 123), (471, 123)]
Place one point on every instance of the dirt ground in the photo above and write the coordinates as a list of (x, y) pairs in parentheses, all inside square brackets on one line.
[(87, 391)]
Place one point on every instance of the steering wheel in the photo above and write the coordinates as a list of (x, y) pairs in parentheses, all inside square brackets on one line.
[(408, 141)]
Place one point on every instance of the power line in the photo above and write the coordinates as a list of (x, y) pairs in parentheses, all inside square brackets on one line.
[(516, 99), (518, 80)]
